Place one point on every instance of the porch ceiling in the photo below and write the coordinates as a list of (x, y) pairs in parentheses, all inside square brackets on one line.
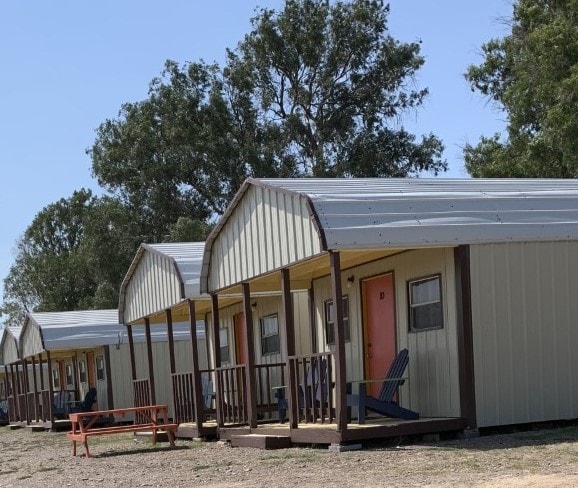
[(303, 273)]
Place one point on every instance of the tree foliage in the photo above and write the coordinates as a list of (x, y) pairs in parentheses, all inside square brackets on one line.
[(314, 90), (532, 74), (75, 253)]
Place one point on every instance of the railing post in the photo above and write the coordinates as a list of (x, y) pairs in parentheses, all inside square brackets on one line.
[(217, 358), (198, 400), (250, 390)]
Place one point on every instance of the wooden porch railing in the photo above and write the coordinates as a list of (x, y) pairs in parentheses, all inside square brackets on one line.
[(33, 402), (12, 411), (314, 387), (233, 397), (183, 398), (22, 409), (142, 397), (46, 400)]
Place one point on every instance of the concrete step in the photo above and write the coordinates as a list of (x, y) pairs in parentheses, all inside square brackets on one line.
[(260, 441)]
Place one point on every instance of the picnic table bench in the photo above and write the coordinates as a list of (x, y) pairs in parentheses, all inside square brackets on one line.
[(152, 418)]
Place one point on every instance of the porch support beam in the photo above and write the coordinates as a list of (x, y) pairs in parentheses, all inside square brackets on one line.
[(153, 395), (35, 387), (108, 372), (465, 335), (131, 352), (170, 334), (289, 346), (340, 366), (50, 387), (250, 385), (217, 358), (198, 403), (25, 384)]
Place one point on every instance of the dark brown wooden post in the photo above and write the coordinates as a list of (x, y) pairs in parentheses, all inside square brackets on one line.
[(131, 351), (50, 387), (35, 387), (25, 384), (198, 400), (465, 335), (153, 395), (312, 318), (289, 320), (42, 388), (250, 354), (340, 366), (171, 338), (15, 415), (108, 373), (217, 357)]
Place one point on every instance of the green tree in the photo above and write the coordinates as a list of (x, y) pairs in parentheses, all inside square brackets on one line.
[(314, 90), (332, 82), (75, 254), (532, 75)]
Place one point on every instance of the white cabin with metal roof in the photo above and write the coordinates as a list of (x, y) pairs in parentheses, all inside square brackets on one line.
[(473, 277)]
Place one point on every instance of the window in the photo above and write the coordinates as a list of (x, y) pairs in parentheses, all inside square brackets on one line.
[(100, 368), (270, 334), (55, 379), (69, 374), (330, 320), (82, 371), (224, 343), (425, 304)]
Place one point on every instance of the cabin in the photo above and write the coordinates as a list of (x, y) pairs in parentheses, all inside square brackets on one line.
[(471, 279), (162, 287), (13, 403), (80, 350)]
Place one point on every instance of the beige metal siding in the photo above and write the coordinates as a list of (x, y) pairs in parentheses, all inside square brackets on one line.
[(253, 240), (31, 341), (154, 286), (121, 373), (433, 386), (524, 323), (9, 351)]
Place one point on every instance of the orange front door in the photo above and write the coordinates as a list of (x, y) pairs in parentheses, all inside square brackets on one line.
[(240, 338), (379, 330)]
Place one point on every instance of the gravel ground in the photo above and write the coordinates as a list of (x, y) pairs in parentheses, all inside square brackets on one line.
[(543, 458)]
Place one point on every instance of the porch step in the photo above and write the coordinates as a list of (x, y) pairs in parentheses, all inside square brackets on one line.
[(260, 441), (16, 425), (36, 427)]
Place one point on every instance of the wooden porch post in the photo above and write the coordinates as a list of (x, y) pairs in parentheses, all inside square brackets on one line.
[(25, 383), (289, 351), (131, 351), (15, 390), (35, 387), (42, 388), (465, 336), (250, 352), (50, 387), (340, 367), (198, 400), (312, 329), (150, 361), (170, 335), (108, 373), (217, 356)]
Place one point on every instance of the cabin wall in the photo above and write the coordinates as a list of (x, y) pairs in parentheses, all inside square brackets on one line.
[(433, 386), (524, 313), (262, 216), (31, 341), (121, 371)]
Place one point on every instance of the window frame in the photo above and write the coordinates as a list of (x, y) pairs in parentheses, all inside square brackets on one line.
[(82, 376), (100, 369), (411, 307), (329, 326), (55, 379), (69, 373), (265, 338)]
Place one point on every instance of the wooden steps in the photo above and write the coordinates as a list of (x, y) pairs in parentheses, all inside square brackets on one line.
[(260, 441)]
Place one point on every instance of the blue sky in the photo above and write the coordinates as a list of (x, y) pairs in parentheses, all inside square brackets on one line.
[(69, 65)]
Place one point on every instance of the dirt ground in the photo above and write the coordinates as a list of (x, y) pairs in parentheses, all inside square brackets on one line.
[(539, 458)]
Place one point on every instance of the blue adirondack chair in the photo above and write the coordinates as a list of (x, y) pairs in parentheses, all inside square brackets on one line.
[(384, 403), (86, 404)]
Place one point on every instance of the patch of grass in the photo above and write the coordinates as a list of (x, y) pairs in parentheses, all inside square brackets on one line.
[(201, 467)]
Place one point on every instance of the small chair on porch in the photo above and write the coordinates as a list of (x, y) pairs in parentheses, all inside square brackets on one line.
[(385, 403)]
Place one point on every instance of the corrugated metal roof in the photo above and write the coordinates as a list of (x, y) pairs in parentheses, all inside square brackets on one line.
[(93, 328), (413, 212), (187, 259), (371, 213)]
